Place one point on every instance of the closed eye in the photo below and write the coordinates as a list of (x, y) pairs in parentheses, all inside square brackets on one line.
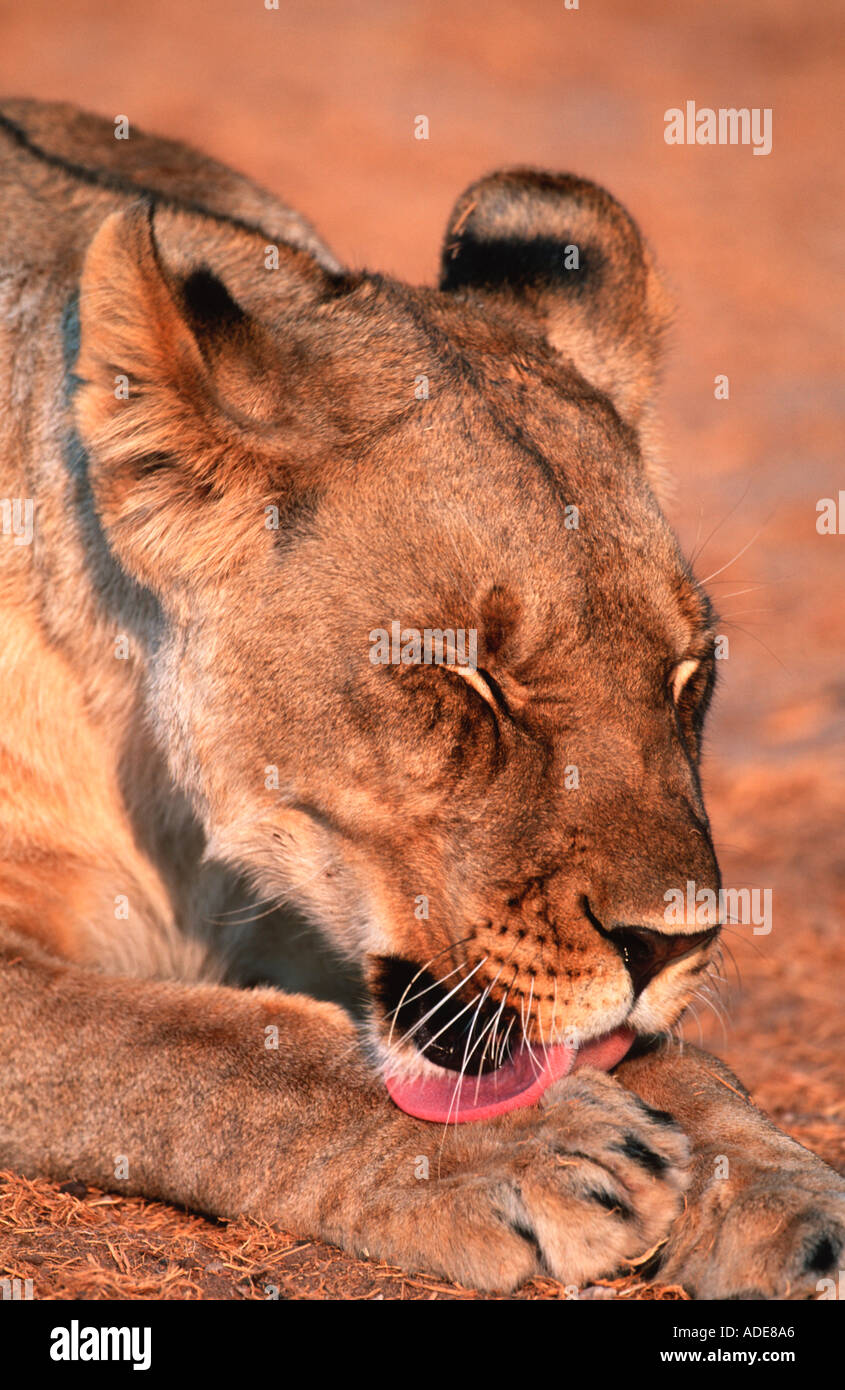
[(482, 682), (691, 683)]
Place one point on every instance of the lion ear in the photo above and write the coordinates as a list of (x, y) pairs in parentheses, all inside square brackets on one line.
[(175, 406), (563, 251)]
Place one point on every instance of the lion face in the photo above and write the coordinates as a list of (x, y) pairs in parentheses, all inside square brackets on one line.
[(307, 479)]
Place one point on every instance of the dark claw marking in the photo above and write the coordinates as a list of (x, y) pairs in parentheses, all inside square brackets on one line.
[(609, 1202), (660, 1117), (638, 1152), (525, 1233), (822, 1255)]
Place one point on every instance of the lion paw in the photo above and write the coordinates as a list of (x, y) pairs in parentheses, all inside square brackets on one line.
[(773, 1232), (573, 1188)]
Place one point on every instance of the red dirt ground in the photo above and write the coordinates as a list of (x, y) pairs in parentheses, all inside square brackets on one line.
[(318, 100)]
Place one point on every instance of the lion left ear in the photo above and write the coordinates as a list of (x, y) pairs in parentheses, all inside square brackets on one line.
[(178, 407), (562, 251)]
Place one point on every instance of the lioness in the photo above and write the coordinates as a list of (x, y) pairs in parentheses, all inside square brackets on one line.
[(240, 462)]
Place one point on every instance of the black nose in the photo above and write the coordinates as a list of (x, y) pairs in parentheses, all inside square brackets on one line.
[(646, 952)]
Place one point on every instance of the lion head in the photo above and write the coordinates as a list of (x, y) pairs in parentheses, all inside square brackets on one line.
[(306, 464)]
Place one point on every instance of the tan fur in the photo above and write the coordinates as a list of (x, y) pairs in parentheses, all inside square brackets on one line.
[(201, 767)]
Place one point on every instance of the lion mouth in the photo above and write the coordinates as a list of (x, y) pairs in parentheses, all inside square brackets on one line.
[(445, 1098), (470, 1059)]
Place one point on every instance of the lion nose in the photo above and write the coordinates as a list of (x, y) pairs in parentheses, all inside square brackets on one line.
[(646, 952)]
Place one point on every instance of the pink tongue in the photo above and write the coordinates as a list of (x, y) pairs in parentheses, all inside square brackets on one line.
[(520, 1082)]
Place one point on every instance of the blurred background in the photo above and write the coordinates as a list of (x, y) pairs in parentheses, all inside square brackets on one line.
[(318, 102)]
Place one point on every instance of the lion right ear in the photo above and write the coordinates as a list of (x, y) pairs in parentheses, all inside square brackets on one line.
[(178, 405), (561, 252)]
